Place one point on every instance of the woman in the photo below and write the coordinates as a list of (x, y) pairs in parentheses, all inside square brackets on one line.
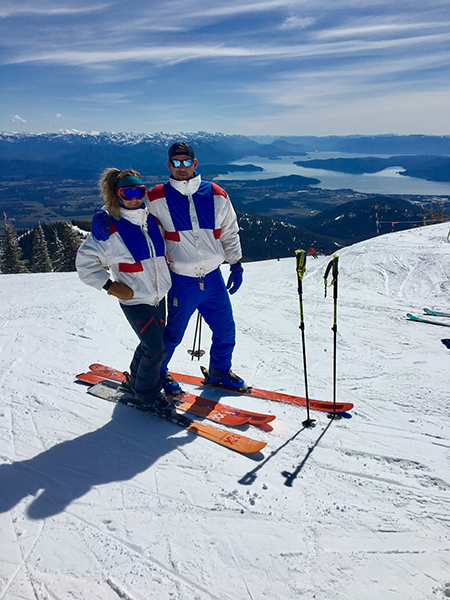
[(135, 254)]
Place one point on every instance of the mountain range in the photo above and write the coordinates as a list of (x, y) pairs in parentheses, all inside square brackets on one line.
[(82, 156), (52, 177), (67, 154)]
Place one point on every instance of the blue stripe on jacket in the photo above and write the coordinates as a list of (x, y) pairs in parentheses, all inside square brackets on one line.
[(178, 205), (135, 240)]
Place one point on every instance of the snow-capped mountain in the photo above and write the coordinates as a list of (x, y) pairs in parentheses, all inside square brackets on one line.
[(216, 147), (42, 146)]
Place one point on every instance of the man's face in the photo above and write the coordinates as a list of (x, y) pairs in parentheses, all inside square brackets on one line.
[(182, 173)]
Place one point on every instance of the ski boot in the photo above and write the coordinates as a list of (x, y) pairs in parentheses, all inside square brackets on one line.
[(171, 386), (166, 409), (229, 380), (128, 384)]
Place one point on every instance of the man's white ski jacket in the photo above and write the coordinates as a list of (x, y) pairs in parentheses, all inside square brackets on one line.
[(200, 225)]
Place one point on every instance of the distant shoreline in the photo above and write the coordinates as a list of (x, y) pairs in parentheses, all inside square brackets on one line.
[(388, 181)]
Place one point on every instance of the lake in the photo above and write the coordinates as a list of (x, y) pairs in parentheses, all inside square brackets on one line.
[(387, 181)]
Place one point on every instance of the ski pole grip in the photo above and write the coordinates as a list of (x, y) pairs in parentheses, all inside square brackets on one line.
[(333, 264), (300, 256)]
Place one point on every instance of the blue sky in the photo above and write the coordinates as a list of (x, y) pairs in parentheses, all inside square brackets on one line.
[(279, 67)]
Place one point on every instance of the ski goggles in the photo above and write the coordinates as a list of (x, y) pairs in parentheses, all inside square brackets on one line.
[(177, 163), (129, 193)]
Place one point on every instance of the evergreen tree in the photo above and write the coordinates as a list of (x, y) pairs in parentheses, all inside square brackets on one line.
[(10, 251), (58, 253), (40, 258), (71, 241)]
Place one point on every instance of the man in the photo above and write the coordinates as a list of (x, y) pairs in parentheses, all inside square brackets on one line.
[(201, 231)]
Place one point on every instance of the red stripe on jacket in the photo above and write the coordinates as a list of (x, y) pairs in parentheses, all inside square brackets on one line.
[(112, 228), (131, 267), (156, 193), (217, 190), (173, 236)]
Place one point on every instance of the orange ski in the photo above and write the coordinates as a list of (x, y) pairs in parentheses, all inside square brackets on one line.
[(187, 403), (235, 441)]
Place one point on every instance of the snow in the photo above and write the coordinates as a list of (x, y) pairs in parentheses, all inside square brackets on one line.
[(101, 502)]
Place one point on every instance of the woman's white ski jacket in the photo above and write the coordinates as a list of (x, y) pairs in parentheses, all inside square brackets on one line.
[(135, 255)]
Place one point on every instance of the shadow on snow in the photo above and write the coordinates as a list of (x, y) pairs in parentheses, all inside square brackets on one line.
[(250, 477), (124, 447)]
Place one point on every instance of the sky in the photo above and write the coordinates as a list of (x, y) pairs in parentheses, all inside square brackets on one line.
[(249, 67)]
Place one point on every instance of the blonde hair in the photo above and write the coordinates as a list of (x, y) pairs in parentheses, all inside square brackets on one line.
[(109, 183)]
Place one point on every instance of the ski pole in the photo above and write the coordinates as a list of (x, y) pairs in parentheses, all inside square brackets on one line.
[(333, 267), (198, 330), (301, 267)]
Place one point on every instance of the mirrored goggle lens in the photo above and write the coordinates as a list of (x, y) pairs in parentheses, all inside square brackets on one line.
[(186, 163), (129, 193)]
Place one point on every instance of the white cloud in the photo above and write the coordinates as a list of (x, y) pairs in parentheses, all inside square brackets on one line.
[(204, 8), (404, 113), (371, 78), (17, 118), (296, 23), (386, 29), (13, 10), (163, 55)]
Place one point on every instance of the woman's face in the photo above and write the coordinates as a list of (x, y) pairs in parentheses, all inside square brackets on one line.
[(132, 196)]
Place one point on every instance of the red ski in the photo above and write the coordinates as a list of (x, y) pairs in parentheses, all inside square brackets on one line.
[(319, 405), (107, 372), (92, 377), (209, 409)]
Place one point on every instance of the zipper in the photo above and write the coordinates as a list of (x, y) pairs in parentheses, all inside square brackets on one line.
[(196, 234), (152, 255)]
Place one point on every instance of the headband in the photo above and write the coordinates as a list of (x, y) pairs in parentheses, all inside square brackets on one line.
[(129, 181)]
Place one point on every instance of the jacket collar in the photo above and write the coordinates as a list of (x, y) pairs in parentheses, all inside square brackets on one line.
[(137, 216), (187, 187)]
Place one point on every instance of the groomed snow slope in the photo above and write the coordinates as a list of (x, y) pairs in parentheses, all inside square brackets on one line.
[(100, 502)]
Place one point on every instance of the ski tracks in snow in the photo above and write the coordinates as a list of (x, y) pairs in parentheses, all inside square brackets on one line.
[(144, 565), (348, 510), (16, 569)]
